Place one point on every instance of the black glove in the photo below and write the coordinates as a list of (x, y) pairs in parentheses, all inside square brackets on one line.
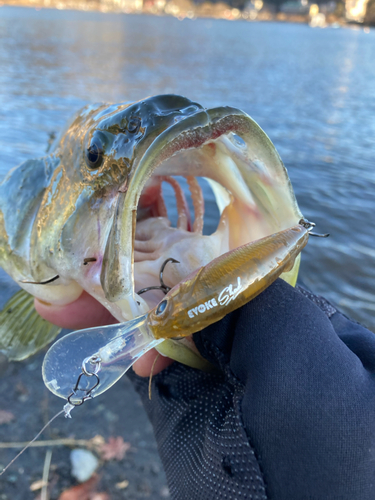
[(289, 415)]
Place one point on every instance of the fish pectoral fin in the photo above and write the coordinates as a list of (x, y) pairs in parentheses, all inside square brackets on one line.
[(184, 352), (292, 275), (22, 331)]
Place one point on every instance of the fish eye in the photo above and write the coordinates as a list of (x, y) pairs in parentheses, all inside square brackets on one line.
[(94, 154), (134, 124), (161, 307)]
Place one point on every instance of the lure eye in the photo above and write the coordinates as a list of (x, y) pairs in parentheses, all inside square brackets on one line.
[(134, 125), (161, 307), (94, 154)]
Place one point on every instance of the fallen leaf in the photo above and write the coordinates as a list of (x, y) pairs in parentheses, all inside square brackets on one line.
[(37, 485), (115, 448), (83, 491), (121, 486), (100, 496), (97, 441), (6, 417)]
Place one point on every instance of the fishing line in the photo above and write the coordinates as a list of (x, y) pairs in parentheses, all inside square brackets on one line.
[(95, 361), (35, 438)]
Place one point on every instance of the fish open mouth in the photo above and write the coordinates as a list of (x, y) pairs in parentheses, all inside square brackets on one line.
[(251, 188)]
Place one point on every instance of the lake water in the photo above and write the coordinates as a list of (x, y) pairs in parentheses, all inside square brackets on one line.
[(311, 90)]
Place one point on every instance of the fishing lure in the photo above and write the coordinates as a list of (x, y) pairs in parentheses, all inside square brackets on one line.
[(85, 363)]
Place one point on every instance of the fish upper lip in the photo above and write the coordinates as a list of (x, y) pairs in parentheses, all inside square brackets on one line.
[(117, 277)]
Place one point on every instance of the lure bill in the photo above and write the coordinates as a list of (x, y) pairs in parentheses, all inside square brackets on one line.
[(86, 363)]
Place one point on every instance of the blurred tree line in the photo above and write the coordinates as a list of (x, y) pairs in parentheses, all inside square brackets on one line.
[(274, 5), (370, 13)]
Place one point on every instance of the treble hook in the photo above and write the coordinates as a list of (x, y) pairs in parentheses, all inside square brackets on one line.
[(309, 225), (97, 363), (165, 288)]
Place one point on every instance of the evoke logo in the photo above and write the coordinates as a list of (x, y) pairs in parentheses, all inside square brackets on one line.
[(226, 296)]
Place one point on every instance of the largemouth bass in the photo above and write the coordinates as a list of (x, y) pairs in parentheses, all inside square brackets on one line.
[(91, 216)]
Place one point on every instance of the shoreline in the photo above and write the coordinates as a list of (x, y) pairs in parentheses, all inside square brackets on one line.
[(187, 10)]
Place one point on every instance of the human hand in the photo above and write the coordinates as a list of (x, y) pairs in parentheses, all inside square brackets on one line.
[(288, 415)]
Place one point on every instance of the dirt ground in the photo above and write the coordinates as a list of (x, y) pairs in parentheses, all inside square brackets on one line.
[(118, 412)]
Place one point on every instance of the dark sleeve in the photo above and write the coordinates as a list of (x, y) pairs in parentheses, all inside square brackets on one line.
[(289, 415)]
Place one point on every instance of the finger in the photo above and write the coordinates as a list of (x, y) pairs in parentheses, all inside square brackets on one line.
[(84, 312), (143, 366)]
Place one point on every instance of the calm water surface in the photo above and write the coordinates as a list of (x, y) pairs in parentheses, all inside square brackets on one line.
[(312, 91)]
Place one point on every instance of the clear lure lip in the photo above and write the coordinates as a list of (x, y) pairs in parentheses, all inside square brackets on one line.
[(116, 346)]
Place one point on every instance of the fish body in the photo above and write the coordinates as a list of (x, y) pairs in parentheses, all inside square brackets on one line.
[(90, 214)]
